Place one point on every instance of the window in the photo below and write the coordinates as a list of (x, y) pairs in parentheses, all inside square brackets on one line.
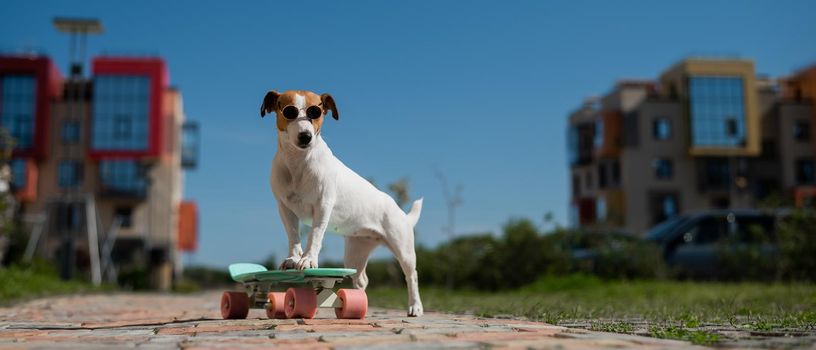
[(572, 144), (121, 115), (801, 130), (805, 171), (706, 231), (18, 173), (769, 150), (661, 129), (715, 174), (18, 106), (121, 127), (588, 179), (664, 169), (603, 179), (600, 209), (68, 216), (599, 133), (576, 185), (70, 132), (663, 206), (122, 176), (189, 145), (717, 111), (731, 126), (125, 214), (669, 206), (69, 173), (616, 174)]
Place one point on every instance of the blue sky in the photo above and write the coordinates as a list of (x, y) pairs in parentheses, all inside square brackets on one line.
[(477, 89)]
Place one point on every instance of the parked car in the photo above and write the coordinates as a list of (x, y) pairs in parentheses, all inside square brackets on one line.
[(699, 244)]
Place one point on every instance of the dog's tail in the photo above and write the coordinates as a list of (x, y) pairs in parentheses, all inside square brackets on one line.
[(413, 214)]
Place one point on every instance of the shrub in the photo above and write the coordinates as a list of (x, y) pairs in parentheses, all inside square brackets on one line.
[(797, 245)]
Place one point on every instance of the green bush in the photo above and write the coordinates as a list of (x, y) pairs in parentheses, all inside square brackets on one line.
[(208, 277), (522, 254), (797, 246), (35, 279)]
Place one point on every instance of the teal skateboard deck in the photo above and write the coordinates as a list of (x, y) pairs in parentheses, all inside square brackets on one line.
[(244, 272), (316, 290)]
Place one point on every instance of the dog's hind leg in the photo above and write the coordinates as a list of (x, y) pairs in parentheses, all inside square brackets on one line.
[(402, 245), (356, 257)]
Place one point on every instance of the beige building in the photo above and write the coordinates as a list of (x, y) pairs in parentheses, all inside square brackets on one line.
[(99, 175), (709, 133)]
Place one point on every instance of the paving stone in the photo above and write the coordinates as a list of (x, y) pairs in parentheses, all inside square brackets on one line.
[(166, 321)]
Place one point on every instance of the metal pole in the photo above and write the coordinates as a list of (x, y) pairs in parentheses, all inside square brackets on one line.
[(93, 240)]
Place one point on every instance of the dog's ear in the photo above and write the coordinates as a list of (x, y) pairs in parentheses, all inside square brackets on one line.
[(328, 104), (270, 101)]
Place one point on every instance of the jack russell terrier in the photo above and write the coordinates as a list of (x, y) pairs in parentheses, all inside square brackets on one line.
[(312, 185)]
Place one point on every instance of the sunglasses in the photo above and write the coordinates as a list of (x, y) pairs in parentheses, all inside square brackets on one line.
[(292, 112)]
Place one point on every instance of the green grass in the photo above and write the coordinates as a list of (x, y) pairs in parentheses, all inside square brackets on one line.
[(615, 327), (672, 309), (680, 333), (35, 281)]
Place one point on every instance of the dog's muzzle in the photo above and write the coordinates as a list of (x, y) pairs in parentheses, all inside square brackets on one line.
[(304, 138)]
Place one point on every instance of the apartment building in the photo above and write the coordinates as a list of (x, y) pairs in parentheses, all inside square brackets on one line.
[(97, 166), (707, 133)]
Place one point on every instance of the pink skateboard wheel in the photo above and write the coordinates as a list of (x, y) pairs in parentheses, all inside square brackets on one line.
[(355, 304)]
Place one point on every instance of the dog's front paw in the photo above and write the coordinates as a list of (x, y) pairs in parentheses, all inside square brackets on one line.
[(289, 263), (307, 262), (415, 310)]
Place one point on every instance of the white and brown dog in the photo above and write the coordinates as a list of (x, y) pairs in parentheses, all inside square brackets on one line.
[(312, 185)]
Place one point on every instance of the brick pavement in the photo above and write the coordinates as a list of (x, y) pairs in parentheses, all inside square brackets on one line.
[(166, 321)]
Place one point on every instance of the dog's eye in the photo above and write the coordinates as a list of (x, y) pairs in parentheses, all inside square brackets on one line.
[(290, 112), (314, 112)]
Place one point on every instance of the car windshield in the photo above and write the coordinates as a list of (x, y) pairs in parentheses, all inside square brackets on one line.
[(658, 232)]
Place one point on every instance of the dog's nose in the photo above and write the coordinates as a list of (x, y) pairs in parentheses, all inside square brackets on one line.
[(304, 138)]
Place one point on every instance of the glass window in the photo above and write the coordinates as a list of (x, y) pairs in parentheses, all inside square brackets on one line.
[(70, 132), (599, 133), (805, 171), (664, 169), (716, 173), (706, 231), (572, 144), (616, 173), (600, 209), (121, 116), (669, 205), (18, 106), (663, 206), (576, 185), (68, 216), (801, 130), (189, 145), (717, 111), (122, 176), (69, 173), (661, 129), (603, 181), (573, 215), (122, 126), (125, 214), (18, 173)]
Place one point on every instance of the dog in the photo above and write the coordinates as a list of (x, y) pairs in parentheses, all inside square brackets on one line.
[(314, 187)]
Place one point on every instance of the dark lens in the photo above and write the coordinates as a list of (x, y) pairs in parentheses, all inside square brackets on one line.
[(314, 112), (290, 112)]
